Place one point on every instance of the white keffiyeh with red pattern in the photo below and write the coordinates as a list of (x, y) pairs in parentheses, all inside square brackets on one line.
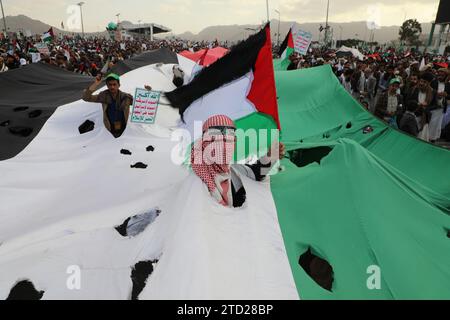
[(211, 160)]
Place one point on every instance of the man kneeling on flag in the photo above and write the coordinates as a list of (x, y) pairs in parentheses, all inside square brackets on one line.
[(211, 159)]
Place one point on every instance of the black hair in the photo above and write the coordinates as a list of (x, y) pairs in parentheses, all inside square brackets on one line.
[(412, 106), (427, 76), (178, 81), (111, 79)]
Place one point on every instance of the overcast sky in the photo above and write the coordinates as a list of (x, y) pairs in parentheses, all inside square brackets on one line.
[(194, 15)]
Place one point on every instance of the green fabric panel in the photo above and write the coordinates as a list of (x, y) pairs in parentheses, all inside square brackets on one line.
[(261, 123), (312, 103), (282, 64), (355, 210), (380, 198)]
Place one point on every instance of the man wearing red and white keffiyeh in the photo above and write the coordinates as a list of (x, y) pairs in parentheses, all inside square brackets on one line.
[(211, 159)]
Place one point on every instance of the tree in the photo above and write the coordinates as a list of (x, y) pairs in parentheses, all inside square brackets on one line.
[(410, 32)]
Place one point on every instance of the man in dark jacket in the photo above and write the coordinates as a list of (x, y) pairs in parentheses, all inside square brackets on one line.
[(441, 85), (425, 96), (116, 104)]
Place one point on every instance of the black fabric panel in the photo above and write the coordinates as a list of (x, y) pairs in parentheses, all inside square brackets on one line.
[(237, 63), (28, 97), (443, 15), (284, 45), (163, 55)]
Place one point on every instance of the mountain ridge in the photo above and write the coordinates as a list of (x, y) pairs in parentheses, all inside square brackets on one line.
[(235, 32)]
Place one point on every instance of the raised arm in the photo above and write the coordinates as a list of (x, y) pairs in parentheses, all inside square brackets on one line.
[(88, 95)]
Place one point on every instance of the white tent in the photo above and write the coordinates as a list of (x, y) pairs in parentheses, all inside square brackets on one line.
[(355, 52)]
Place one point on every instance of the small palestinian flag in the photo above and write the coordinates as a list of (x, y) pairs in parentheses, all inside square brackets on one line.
[(286, 50), (48, 36)]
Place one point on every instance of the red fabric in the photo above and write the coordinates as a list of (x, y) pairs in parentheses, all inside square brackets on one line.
[(291, 40), (442, 65), (263, 93), (374, 56), (205, 57), (206, 151)]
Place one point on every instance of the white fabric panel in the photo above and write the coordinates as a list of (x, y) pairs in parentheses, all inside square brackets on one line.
[(230, 100), (62, 197)]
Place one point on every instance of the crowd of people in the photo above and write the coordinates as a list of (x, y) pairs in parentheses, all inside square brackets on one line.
[(408, 90), (86, 56)]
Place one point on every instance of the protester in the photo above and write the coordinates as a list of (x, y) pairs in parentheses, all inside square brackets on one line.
[(116, 104), (390, 104), (3, 67), (366, 80), (11, 62), (442, 87), (370, 89), (411, 84), (346, 80), (89, 55), (425, 96), (408, 122), (212, 157), (178, 76), (294, 62)]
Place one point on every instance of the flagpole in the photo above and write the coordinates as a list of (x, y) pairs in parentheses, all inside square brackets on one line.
[(4, 20), (267, 6), (279, 23)]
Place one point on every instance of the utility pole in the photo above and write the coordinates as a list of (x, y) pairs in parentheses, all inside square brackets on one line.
[(4, 20), (82, 22), (327, 27), (279, 23)]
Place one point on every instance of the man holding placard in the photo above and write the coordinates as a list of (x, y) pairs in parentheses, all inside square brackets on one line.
[(116, 104)]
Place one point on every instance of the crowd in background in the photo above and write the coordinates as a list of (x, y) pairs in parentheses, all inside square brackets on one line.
[(87, 56), (408, 90)]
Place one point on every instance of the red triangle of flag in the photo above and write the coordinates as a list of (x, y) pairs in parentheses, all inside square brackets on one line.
[(263, 93), (291, 40)]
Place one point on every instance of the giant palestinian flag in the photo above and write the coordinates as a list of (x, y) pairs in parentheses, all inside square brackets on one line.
[(121, 214), (358, 211)]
